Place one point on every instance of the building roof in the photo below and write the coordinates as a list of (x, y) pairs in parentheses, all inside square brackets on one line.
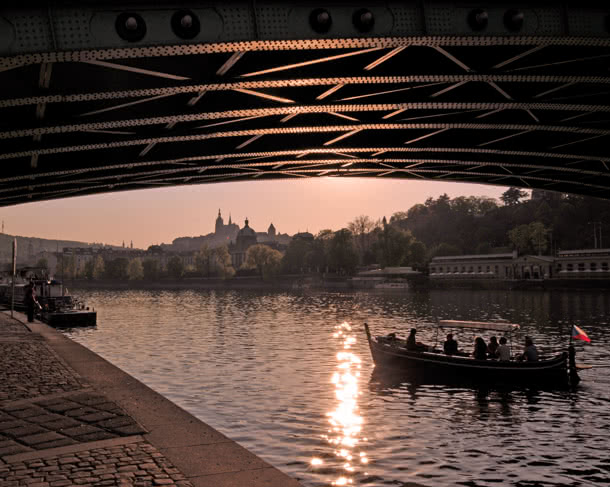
[(566, 253), (246, 231), (476, 256)]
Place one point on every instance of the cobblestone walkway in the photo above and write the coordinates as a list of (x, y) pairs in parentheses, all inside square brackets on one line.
[(46, 409), (138, 464)]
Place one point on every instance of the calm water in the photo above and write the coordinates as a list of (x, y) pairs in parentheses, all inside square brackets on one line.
[(290, 377)]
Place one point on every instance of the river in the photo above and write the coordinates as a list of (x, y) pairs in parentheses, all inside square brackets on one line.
[(289, 376)]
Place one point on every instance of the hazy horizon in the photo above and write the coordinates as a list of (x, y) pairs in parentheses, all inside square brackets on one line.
[(154, 216)]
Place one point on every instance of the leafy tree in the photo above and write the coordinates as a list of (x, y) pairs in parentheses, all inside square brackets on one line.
[(175, 267), (538, 237), (204, 261), (150, 269), (417, 253), (117, 268), (89, 269), (361, 228), (530, 238), (392, 246), (520, 238), (512, 196), (342, 254), (295, 258), (67, 266), (224, 268), (98, 268), (135, 271), (264, 259)]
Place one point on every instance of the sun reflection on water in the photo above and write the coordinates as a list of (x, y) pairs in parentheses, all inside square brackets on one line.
[(345, 420)]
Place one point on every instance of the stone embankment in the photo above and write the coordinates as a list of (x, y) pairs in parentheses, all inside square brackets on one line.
[(70, 418)]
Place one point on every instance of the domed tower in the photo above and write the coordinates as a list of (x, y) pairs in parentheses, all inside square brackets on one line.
[(246, 237), (219, 223), (271, 231)]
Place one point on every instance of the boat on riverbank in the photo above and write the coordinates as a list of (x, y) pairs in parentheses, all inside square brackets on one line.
[(390, 353), (57, 307)]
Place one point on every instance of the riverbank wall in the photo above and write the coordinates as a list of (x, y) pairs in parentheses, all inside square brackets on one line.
[(315, 282), (69, 417)]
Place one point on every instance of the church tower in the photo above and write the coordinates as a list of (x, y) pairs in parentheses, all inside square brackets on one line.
[(219, 223)]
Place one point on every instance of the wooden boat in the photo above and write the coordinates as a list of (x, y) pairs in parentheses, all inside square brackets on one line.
[(390, 353)]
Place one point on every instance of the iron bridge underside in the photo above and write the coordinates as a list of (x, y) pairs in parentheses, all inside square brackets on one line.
[(427, 90)]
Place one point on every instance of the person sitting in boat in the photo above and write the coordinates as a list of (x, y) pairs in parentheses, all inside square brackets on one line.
[(503, 350), (414, 345), (492, 348), (480, 349), (530, 353), (451, 345)]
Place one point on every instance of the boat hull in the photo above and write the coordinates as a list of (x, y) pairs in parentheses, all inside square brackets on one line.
[(464, 369), (69, 319)]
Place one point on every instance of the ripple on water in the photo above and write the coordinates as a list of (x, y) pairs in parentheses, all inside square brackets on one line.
[(259, 367)]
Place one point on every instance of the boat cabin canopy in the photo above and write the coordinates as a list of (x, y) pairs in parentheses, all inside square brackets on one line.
[(479, 325)]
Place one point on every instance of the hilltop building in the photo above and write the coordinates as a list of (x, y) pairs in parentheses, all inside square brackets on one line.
[(246, 237)]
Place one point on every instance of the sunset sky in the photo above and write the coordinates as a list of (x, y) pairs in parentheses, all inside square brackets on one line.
[(154, 216)]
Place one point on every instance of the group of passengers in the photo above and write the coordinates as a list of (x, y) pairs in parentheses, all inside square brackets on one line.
[(482, 351)]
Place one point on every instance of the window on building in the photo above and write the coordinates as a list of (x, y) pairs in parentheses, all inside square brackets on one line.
[(593, 266), (581, 266), (440, 269), (432, 270), (559, 267), (604, 266), (570, 267), (455, 269), (479, 269), (488, 268), (463, 269), (496, 269)]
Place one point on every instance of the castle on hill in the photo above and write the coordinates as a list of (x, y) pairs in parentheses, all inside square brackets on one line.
[(227, 234)]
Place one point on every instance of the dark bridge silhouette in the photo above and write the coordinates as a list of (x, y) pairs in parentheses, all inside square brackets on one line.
[(98, 98)]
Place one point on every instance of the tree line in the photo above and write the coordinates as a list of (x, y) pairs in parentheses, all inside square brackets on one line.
[(437, 227)]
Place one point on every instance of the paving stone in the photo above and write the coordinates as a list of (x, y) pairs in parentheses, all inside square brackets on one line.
[(61, 424), (40, 438), (55, 443), (44, 418), (89, 399), (13, 449), (81, 429), (115, 422), (80, 411), (25, 412), (7, 425), (63, 406), (23, 431), (97, 416), (100, 435)]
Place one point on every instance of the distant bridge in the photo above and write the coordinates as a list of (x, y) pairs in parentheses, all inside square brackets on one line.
[(101, 98)]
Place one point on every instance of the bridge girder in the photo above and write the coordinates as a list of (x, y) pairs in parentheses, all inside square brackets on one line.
[(101, 98)]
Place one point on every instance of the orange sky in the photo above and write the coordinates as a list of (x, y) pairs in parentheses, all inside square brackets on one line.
[(159, 215)]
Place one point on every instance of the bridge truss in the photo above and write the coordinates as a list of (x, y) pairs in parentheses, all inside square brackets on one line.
[(100, 98)]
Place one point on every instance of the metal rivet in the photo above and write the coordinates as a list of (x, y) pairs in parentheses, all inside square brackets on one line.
[(363, 19), (513, 20), (320, 20), (185, 24), (478, 19), (130, 27)]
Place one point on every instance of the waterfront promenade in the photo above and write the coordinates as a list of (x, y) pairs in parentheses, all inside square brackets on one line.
[(69, 417)]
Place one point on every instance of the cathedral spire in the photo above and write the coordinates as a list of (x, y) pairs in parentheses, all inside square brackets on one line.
[(229, 218)]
